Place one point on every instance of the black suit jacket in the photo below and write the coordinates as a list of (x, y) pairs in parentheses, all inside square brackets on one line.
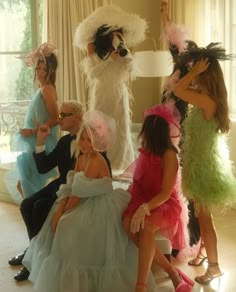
[(35, 208), (60, 157)]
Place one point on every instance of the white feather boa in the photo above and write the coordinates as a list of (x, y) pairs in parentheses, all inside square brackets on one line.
[(109, 93), (133, 26), (108, 80)]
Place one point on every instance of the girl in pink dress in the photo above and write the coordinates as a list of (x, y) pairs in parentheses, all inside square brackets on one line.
[(155, 205)]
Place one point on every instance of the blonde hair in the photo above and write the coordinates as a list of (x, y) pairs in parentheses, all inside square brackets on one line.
[(76, 107)]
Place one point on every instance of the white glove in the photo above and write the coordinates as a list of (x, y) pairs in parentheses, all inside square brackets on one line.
[(138, 218)]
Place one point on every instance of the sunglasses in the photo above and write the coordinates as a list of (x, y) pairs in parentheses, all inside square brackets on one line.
[(62, 115)]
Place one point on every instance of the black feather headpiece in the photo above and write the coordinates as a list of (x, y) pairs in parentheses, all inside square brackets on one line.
[(212, 51)]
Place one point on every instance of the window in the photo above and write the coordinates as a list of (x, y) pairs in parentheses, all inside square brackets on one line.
[(20, 22)]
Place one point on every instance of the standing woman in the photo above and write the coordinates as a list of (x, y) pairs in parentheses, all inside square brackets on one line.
[(178, 42), (42, 109), (207, 176)]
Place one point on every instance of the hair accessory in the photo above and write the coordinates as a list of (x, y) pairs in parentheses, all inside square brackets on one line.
[(168, 112), (101, 129), (133, 26), (44, 50), (211, 51), (177, 35)]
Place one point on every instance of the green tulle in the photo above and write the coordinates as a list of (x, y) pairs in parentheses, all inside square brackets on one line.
[(208, 173)]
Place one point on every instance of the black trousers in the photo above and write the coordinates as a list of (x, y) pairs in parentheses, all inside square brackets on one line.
[(35, 209)]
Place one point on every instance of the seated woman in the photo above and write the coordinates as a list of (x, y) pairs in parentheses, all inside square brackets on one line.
[(90, 250), (156, 205)]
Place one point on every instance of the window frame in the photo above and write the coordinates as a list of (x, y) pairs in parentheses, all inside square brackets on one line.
[(12, 111)]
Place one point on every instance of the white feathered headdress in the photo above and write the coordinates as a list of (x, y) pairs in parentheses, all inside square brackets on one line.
[(133, 26)]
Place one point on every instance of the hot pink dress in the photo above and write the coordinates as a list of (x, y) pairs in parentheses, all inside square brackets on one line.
[(147, 180)]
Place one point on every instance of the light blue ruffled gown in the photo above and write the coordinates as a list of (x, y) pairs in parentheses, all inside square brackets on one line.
[(26, 171), (90, 251)]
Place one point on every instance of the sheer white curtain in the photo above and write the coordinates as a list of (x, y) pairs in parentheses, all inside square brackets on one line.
[(205, 18), (211, 21), (60, 19)]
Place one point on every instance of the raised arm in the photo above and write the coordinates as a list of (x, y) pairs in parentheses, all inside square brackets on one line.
[(185, 92), (165, 14), (47, 161)]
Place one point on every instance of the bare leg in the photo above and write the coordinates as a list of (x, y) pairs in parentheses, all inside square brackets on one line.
[(19, 188), (210, 240), (147, 248), (201, 256), (148, 251), (162, 261)]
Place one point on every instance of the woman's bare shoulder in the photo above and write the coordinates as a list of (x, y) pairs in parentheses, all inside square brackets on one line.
[(48, 88)]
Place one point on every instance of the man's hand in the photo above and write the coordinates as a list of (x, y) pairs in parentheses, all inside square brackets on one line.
[(43, 132)]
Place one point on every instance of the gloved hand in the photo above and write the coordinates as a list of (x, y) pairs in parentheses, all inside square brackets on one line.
[(138, 218)]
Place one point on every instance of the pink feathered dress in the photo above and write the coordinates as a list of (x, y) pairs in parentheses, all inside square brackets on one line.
[(147, 180)]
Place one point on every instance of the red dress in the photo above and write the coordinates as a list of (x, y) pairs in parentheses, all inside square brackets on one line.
[(147, 180)]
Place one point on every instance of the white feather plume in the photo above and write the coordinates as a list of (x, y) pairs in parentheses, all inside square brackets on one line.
[(134, 27)]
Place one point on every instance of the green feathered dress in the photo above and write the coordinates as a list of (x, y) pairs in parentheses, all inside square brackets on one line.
[(207, 172)]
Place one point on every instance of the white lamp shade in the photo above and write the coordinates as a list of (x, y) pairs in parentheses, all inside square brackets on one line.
[(154, 63)]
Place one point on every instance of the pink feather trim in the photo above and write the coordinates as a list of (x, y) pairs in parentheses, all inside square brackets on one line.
[(177, 35)]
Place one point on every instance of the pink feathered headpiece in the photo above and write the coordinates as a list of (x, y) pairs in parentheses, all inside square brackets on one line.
[(177, 35), (44, 50), (168, 112), (101, 129)]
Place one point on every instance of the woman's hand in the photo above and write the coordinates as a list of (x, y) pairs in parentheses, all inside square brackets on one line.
[(26, 132), (165, 13), (138, 218), (72, 202), (200, 66), (164, 7), (90, 49), (58, 213)]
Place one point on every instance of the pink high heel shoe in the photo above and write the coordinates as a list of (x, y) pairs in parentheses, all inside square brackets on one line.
[(186, 283)]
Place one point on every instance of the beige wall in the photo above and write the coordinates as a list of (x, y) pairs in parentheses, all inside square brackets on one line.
[(146, 91)]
